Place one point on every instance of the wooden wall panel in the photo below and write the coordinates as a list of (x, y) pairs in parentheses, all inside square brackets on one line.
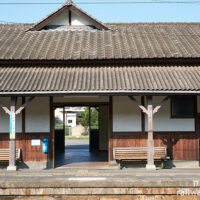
[(180, 145), (29, 153)]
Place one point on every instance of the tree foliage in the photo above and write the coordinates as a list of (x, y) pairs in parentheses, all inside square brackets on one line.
[(83, 119)]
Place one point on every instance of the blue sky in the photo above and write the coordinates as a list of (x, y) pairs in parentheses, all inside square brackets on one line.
[(105, 13)]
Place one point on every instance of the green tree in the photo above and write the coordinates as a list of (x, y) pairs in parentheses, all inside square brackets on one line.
[(84, 117)]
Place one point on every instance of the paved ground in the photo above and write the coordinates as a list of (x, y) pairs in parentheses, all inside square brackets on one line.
[(77, 154), (113, 176), (82, 183), (158, 184)]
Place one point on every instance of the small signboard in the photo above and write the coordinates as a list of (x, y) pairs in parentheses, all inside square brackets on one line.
[(12, 125), (35, 142)]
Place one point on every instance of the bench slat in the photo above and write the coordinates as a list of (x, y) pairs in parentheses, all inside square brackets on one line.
[(4, 154), (137, 153)]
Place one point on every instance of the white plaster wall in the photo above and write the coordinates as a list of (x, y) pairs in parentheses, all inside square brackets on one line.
[(4, 118), (38, 115), (126, 115), (77, 20), (164, 122), (198, 104), (81, 99), (103, 127), (62, 19)]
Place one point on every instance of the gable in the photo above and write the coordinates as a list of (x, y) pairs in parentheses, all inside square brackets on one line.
[(68, 15), (76, 20), (62, 19)]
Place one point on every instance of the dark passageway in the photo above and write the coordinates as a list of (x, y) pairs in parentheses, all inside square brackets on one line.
[(77, 154)]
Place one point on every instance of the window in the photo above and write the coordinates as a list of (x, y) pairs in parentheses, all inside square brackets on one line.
[(69, 121), (182, 106)]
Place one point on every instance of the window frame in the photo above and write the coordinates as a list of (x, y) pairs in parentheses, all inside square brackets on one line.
[(69, 121), (183, 117)]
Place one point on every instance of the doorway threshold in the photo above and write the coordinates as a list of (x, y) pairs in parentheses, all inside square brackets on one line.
[(86, 165)]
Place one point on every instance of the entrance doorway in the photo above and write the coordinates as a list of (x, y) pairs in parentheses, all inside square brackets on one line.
[(81, 136)]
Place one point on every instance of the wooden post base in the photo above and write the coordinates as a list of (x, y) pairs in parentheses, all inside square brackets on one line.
[(153, 167), (11, 168)]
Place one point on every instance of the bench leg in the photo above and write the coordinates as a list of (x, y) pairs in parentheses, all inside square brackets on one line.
[(119, 164)]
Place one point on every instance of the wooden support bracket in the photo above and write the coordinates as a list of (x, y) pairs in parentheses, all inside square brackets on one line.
[(24, 105), (19, 109), (5, 108), (139, 105), (155, 110)]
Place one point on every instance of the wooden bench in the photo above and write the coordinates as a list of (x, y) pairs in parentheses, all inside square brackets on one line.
[(138, 153), (4, 155)]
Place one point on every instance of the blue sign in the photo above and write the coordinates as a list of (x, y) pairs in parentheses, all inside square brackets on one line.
[(12, 125)]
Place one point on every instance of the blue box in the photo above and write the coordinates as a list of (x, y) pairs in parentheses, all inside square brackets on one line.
[(45, 146)]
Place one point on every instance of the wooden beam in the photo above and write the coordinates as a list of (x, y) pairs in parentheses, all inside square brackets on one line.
[(155, 110), (70, 17), (139, 104), (24, 105), (150, 141)]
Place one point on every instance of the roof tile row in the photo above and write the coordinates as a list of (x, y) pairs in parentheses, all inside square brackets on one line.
[(124, 41), (96, 79)]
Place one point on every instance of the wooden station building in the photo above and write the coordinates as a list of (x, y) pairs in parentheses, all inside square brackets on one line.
[(145, 76)]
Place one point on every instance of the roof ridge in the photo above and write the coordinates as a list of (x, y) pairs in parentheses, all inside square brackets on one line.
[(69, 2)]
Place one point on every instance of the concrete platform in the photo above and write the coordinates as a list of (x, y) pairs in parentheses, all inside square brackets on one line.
[(110, 184)]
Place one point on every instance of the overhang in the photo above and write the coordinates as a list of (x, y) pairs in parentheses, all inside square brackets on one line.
[(99, 80)]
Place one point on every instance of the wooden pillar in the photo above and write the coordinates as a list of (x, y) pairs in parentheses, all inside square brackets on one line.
[(12, 113), (52, 135), (110, 142), (64, 124), (142, 116), (89, 129), (12, 142), (150, 141), (23, 118), (149, 111)]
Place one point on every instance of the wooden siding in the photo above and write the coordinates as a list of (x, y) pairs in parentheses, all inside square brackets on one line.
[(23, 141), (180, 145)]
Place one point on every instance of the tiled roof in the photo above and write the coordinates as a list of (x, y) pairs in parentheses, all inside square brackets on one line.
[(124, 41), (126, 79)]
